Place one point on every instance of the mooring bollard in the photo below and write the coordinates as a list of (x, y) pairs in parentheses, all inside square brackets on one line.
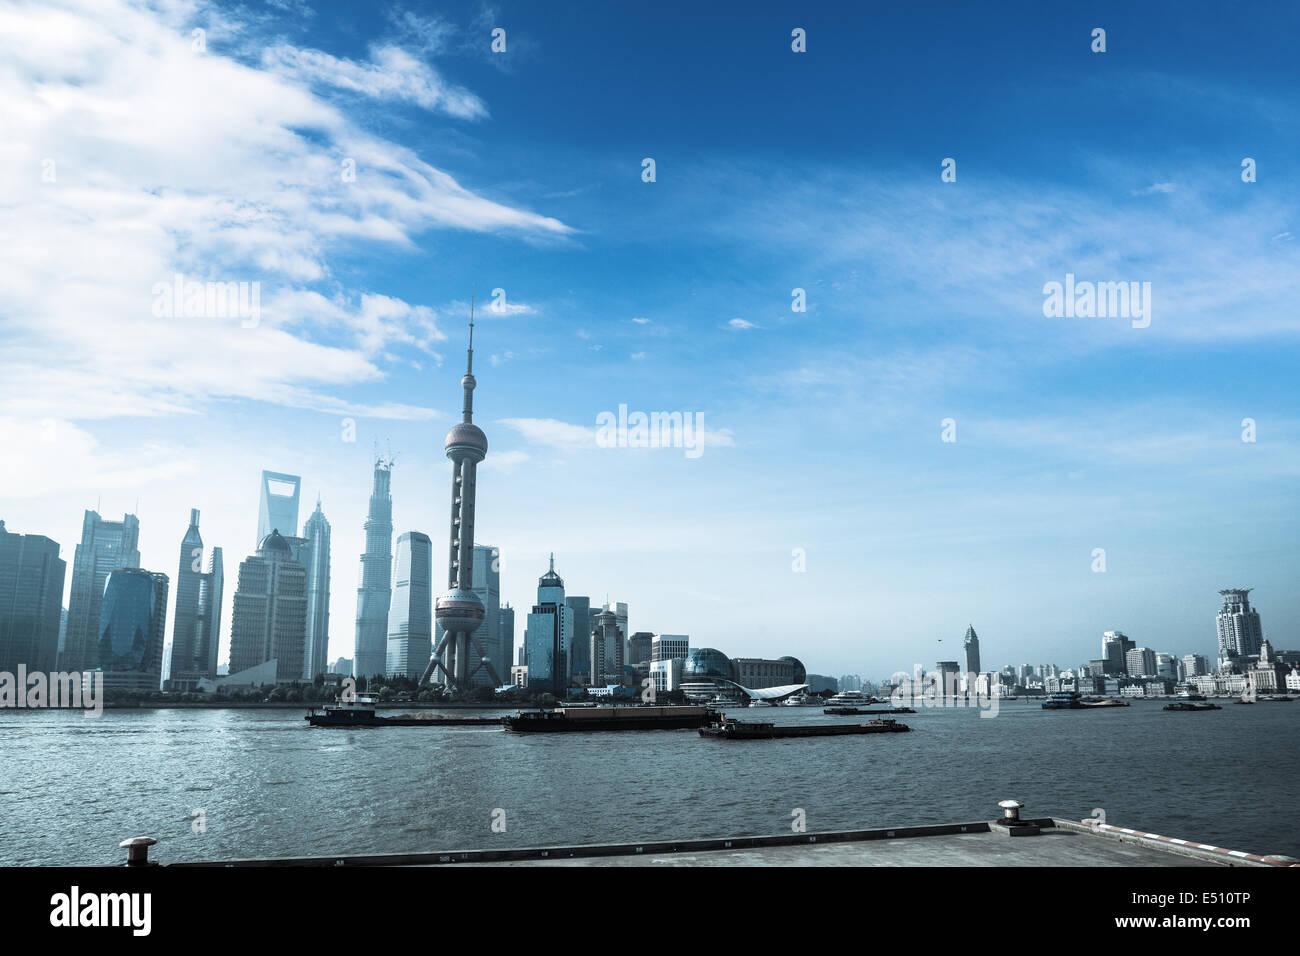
[(137, 851), (1010, 809)]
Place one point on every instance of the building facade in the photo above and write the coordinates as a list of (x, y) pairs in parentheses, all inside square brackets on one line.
[(132, 629), (549, 636), (269, 619), (277, 505), (410, 617), (370, 648), (106, 546), (665, 647), (31, 601), (196, 622), (1240, 631), (315, 561)]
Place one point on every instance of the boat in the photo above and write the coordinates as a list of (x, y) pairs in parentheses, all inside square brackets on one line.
[(359, 711), (851, 698), (855, 711), (1190, 696), (1064, 700), (636, 717), (1190, 705), (726, 729), (1106, 702), (1282, 699)]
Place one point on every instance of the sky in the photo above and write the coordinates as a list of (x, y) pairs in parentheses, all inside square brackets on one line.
[(371, 166)]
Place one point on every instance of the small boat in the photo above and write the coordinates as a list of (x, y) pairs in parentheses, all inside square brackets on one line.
[(1189, 705), (855, 711), (1064, 700)]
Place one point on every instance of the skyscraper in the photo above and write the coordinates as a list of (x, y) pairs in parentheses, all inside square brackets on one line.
[(508, 636), (1114, 651), (583, 622), (278, 510), (196, 623), (410, 618), (1240, 632), (132, 629), (549, 636), (459, 611), (640, 647), (31, 600), (315, 560), (370, 653), (106, 546), (269, 620), (606, 643), (487, 585), (971, 644)]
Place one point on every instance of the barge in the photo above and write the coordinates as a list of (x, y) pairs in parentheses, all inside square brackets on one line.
[(856, 711), (1187, 705), (579, 719), (724, 729), (360, 712)]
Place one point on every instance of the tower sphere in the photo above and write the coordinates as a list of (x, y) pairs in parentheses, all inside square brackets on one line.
[(459, 611), (466, 440)]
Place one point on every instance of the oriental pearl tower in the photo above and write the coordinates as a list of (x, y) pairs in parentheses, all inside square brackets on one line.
[(459, 611)]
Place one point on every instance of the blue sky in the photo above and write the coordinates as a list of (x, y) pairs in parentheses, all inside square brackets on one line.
[(774, 171)]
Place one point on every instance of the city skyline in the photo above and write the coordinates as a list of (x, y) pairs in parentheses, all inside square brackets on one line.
[(923, 300)]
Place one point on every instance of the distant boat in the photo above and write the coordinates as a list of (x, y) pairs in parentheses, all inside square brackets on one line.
[(1187, 705), (1064, 700)]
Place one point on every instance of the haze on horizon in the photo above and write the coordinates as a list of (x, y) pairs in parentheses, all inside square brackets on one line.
[(775, 171)]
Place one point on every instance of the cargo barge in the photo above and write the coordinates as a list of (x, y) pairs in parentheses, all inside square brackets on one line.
[(856, 711), (580, 719), (724, 729), (361, 713), (1185, 705)]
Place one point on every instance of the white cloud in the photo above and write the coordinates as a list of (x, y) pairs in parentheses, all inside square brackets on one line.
[(553, 433), (163, 160), (391, 74), (740, 325)]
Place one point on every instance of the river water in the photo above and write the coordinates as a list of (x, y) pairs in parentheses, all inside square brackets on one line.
[(267, 785)]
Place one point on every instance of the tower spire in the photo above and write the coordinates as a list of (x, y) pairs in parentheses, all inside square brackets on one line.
[(468, 381)]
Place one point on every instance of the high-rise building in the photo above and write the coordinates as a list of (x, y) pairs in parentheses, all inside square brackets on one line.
[(665, 647), (584, 620), (459, 611), (278, 508), (106, 546), (31, 601), (1195, 665), (1167, 667), (487, 585), (196, 622), (607, 665), (1140, 662), (971, 645), (370, 653), (410, 618), (132, 629), (640, 647), (850, 682), (269, 620), (549, 636), (507, 631), (315, 559), (1114, 651), (1240, 632)]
